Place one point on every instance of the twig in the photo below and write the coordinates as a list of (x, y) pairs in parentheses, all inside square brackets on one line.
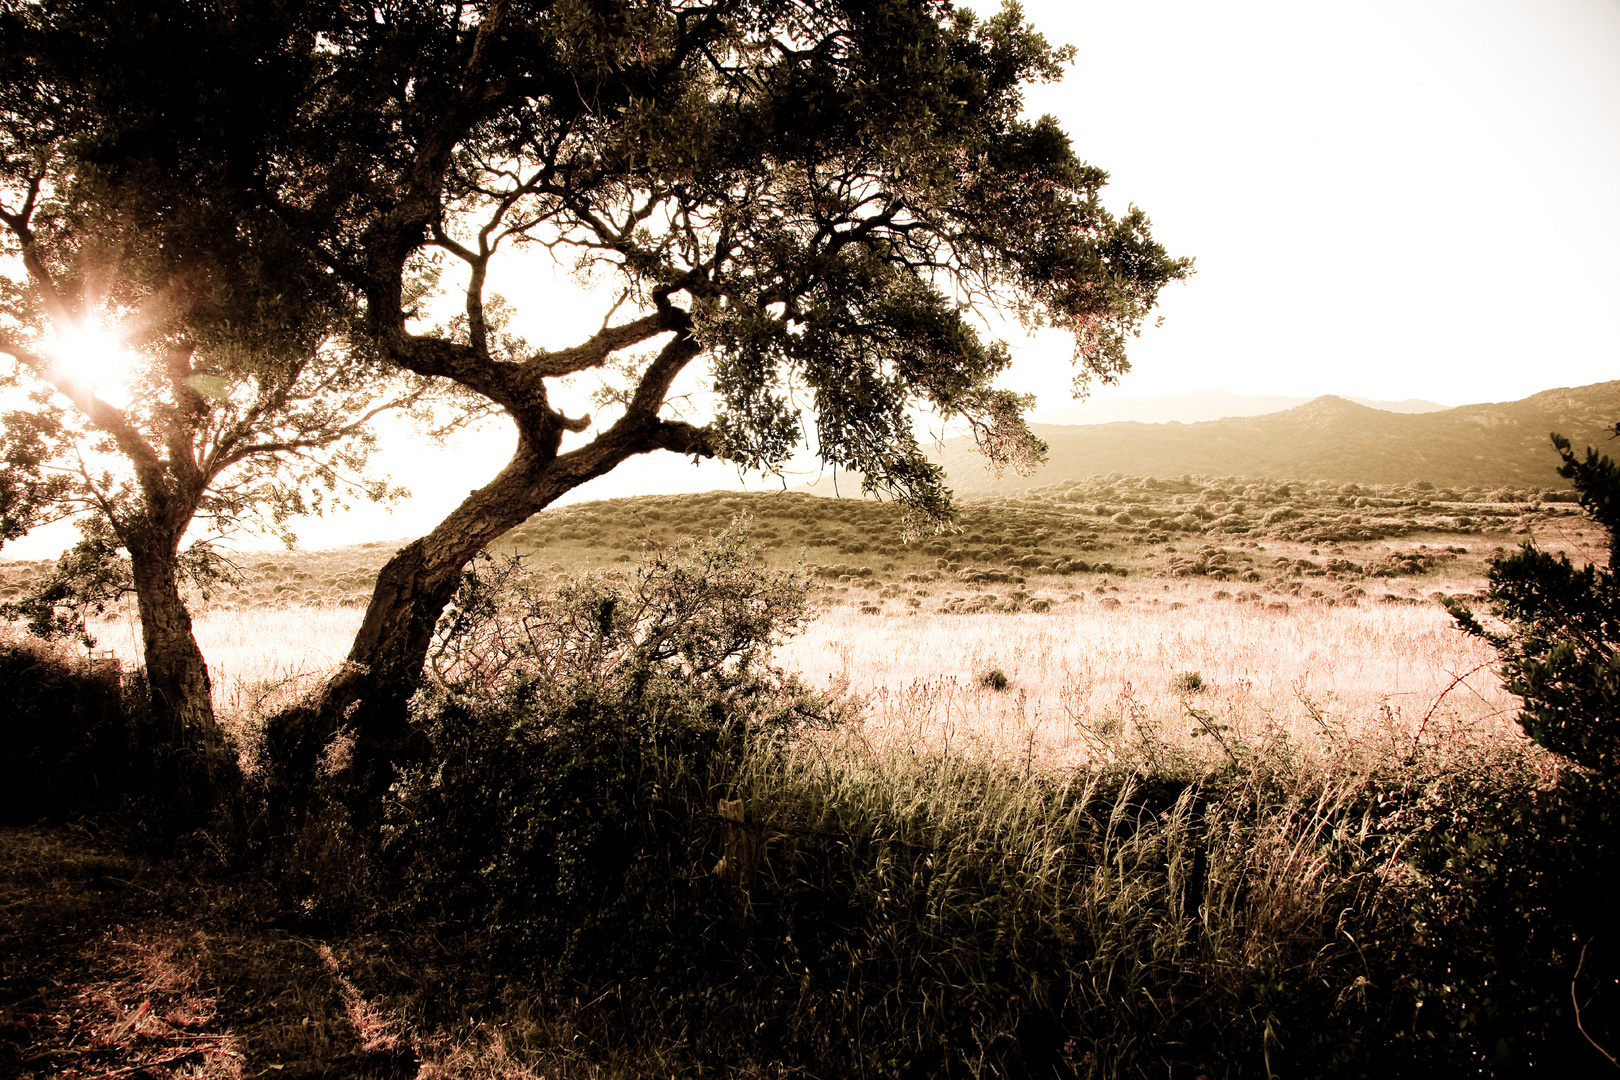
[(131, 884), (1576, 1002), (1435, 704)]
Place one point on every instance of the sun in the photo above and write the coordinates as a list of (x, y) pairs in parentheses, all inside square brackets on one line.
[(94, 356)]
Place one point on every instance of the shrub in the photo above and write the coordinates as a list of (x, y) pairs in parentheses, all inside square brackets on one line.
[(79, 742), (1516, 962), (1522, 881), (610, 792), (1561, 649), (992, 678), (564, 730), (1188, 682), (67, 735)]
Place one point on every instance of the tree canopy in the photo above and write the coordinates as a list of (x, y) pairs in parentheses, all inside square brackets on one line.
[(813, 202), (174, 367)]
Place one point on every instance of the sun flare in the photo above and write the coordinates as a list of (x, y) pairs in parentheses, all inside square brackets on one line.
[(94, 356)]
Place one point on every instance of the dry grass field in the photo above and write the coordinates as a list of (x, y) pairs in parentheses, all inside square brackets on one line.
[(1102, 670), (1126, 614), (1086, 682)]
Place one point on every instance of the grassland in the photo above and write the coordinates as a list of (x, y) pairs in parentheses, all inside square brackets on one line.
[(1172, 836), (1064, 539), (1303, 607)]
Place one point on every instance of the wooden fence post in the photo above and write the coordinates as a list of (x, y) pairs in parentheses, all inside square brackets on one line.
[(739, 846)]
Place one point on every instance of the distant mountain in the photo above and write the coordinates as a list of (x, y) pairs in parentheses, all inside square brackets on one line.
[(1198, 406), (1330, 438)]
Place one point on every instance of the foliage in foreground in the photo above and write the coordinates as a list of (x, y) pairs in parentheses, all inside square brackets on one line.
[(79, 741), (661, 844), (1520, 891)]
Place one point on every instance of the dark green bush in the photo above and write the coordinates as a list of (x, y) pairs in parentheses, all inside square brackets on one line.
[(570, 734), (1516, 963), (992, 678), (67, 734), (1521, 878)]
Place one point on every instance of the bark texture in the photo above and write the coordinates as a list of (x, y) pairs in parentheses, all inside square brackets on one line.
[(184, 742), (368, 697)]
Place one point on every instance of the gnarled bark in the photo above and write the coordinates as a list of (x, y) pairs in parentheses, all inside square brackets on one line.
[(186, 746), (369, 694)]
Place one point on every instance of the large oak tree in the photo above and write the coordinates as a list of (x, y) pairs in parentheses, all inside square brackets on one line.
[(810, 201)]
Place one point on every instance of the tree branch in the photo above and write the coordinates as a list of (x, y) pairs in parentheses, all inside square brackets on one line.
[(594, 351), (103, 416)]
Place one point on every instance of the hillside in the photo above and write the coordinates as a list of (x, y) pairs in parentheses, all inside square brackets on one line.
[(1485, 446), (1197, 406)]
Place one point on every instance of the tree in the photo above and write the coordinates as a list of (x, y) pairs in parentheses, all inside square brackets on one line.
[(810, 201), (1560, 648), (237, 401), (812, 198)]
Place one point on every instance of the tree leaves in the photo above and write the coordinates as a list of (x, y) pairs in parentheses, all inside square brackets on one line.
[(1560, 647)]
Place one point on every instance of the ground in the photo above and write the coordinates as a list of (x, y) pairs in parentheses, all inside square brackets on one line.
[(115, 964), (1301, 610)]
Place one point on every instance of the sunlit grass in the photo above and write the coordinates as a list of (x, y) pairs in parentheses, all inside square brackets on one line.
[(1086, 682), (1083, 676)]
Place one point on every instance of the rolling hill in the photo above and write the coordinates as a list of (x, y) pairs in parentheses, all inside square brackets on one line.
[(1331, 438), (1197, 406)]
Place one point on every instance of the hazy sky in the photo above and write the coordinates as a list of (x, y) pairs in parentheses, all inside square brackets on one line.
[(1412, 198), (1415, 198)]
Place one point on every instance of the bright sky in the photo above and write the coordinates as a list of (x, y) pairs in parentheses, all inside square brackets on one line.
[(1411, 198), (1385, 198)]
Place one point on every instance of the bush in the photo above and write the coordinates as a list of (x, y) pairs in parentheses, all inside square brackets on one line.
[(992, 678), (1521, 882), (1187, 682), (1516, 962), (79, 743), (66, 733), (1561, 646), (570, 734)]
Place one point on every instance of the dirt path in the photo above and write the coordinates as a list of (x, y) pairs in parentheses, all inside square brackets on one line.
[(116, 966)]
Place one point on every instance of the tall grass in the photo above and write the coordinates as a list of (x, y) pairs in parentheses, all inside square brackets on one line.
[(1085, 681), (889, 911)]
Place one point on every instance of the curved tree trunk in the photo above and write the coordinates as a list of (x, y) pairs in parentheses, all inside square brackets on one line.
[(185, 744), (368, 696)]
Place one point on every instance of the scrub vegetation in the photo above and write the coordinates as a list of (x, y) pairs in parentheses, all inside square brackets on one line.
[(1054, 795)]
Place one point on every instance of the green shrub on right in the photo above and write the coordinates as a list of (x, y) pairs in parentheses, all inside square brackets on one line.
[(1520, 898), (1561, 646)]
